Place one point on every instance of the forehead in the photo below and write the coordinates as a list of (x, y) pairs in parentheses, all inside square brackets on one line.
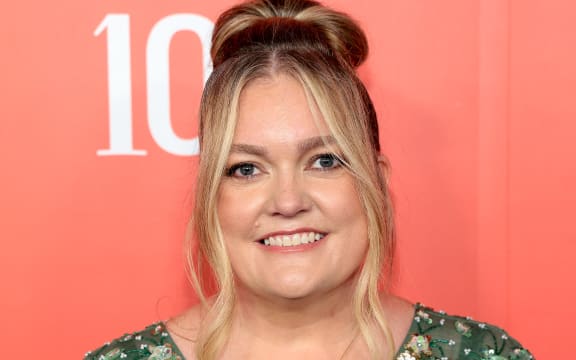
[(276, 109)]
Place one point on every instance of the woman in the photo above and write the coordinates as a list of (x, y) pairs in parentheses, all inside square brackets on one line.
[(293, 218)]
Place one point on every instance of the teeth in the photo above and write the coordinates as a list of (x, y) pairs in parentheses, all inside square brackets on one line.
[(296, 240), (293, 240)]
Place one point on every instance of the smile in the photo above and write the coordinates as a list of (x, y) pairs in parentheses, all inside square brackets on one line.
[(293, 239)]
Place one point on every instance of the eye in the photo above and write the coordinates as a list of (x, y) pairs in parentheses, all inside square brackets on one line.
[(326, 162), (242, 170)]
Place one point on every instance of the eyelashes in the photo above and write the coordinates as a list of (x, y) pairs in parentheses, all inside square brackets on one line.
[(320, 162), (326, 161), (242, 170)]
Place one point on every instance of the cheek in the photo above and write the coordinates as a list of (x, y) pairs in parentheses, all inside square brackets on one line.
[(340, 199), (238, 209), (346, 209), (229, 214)]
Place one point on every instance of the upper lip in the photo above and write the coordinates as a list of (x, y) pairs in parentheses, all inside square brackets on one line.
[(291, 232)]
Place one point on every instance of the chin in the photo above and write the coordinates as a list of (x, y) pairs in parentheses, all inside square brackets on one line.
[(293, 288), (288, 284), (298, 293), (282, 288), (303, 289)]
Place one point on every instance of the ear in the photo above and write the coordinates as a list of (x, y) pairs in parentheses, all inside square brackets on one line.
[(384, 166)]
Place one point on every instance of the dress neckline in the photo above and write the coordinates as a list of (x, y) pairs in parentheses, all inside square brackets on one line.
[(407, 337)]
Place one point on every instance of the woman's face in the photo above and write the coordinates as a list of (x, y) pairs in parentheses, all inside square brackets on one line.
[(291, 217)]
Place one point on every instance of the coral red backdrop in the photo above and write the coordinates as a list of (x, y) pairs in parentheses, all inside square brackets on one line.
[(97, 155)]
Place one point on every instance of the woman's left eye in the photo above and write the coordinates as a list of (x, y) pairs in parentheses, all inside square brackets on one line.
[(326, 162)]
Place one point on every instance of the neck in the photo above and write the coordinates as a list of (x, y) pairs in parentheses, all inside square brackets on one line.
[(324, 320)]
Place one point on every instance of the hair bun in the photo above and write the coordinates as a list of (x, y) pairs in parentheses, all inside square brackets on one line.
[(297, 23)]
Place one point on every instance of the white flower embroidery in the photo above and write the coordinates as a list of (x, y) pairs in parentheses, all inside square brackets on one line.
[(405, 356)]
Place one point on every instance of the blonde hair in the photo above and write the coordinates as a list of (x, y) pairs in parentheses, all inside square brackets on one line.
[(320, 48)]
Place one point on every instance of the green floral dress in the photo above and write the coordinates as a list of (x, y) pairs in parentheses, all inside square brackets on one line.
[(433, 335)]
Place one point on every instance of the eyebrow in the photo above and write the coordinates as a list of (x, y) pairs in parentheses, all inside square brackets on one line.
[(303, 146), (248, 149), (315, 142)]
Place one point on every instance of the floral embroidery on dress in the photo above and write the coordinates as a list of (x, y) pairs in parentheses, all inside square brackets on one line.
[(421, 315), (405, 356), (490, 355), (163, 352), (463, 328), (438, 336), (418, 346), (432, 336), (152, 343), (520, 354), (112, 354)]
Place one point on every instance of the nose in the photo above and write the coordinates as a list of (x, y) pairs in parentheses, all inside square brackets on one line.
[(289, 196)]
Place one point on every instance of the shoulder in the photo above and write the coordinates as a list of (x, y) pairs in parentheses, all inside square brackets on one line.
[(153, 343), (435, 334)]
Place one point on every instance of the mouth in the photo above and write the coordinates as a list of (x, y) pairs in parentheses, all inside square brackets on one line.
[(292, 239)]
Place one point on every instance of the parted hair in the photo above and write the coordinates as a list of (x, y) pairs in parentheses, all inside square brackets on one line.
[(321, 49)]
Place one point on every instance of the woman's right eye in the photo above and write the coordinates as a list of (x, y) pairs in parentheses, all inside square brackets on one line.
[(242, 170)]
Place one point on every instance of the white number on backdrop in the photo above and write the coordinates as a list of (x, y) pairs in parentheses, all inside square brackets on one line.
[(117, 28)]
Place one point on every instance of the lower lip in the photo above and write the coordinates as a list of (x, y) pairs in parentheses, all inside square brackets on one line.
[(293, 249)]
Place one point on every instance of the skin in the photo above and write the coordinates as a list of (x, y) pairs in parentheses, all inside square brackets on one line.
[(289, 187), (281, 177)]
